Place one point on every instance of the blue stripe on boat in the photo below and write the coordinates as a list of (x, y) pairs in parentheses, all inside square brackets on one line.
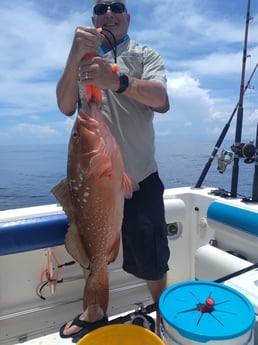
[(34, 233), (235, 217)]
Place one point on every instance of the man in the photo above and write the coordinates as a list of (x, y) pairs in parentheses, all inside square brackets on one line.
[(130, 98)]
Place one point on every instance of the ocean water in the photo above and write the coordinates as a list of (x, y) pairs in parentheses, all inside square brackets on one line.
[(27, 173)]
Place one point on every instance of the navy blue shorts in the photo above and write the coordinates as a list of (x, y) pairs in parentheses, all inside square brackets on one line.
[(144, 232)]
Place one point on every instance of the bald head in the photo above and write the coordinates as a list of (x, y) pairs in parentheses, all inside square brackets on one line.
[(95, 2)]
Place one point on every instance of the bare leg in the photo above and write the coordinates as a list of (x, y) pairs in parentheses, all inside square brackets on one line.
[(156, 287)]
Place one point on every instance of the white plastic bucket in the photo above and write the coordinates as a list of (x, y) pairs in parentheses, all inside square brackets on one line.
[(203, 312)]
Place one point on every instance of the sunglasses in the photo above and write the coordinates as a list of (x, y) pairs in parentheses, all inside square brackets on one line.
[(115, 7)]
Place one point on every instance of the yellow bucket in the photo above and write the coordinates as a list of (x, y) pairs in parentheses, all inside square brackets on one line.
[(121, 334)]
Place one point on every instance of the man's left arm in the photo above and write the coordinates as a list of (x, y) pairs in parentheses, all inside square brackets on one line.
[(148, 92), (150, 89)]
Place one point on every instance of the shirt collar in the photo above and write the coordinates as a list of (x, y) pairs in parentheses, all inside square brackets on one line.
[(103, 51)]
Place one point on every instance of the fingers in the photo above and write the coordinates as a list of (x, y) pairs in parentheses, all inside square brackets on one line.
[(87, 33), (97, 71), (85, 76), (94, 67), (90, 35), (86, 40)]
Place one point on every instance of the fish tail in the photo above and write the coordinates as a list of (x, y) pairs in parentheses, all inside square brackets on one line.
[(97, 289)]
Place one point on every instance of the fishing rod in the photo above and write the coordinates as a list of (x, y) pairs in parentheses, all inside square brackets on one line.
[(255, 180), (238, 134), (222, 136)]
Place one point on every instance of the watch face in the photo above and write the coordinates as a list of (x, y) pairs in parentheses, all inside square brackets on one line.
[(124, 83), (124, 80)]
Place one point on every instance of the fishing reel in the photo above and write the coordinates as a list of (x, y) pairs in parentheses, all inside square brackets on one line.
[(246, 151), (225, 158)]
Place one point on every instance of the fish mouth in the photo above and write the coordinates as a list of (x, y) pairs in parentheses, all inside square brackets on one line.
[(83, 115), (88, 129), (87, 132), (87, 121)]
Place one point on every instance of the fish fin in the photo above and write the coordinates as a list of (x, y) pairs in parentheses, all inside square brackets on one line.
[(74, 246), (61, 192), (112, 255), (129, 186), (100, 165), (73, 241)]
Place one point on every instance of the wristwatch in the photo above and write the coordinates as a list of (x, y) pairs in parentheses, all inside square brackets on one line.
[(124, 83)]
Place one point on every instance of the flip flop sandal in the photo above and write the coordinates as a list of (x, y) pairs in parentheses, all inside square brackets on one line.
[(85, 326), (92, 326)]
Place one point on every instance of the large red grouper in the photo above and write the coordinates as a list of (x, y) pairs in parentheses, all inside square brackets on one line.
[(92, 197)]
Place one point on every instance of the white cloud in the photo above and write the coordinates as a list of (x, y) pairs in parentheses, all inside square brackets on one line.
[(200, 41), (195, 114), (35, 130), (32, 58)]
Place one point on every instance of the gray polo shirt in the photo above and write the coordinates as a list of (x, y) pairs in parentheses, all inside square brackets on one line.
[(130, 121)]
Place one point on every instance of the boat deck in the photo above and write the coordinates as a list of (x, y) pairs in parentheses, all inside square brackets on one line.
[(54, 338), (48, 340)]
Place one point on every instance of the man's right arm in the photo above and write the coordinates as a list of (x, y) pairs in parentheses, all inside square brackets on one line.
[(86, 40), (67, 88)]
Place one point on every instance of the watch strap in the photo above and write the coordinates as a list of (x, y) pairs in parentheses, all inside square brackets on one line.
[(124, 83)]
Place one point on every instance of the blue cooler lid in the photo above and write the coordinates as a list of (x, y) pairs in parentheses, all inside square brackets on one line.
[(203, 311)]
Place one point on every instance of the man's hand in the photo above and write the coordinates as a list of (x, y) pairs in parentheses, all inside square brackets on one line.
[(86, 40), (97, 71)]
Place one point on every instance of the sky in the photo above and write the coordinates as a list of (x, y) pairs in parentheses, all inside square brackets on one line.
[(200, 41)]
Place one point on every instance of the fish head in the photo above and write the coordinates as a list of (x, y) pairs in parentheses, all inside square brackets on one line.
[(85, 134)]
